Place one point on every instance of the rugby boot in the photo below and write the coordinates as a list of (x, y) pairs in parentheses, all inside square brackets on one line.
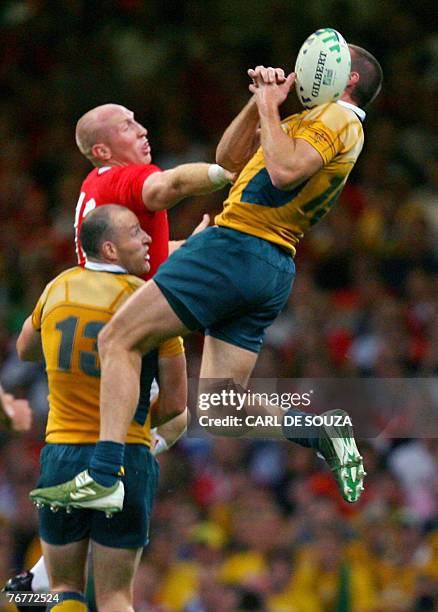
[(81, 492), (336, 444)]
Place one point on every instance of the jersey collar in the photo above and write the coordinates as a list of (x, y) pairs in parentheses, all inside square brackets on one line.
[(105, 267), (358, 111), (104, 169)]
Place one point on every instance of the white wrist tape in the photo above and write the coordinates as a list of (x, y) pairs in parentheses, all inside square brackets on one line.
[(160, 445), (216, 174)]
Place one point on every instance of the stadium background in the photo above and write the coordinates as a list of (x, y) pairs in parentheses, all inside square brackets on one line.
[(241, 525)]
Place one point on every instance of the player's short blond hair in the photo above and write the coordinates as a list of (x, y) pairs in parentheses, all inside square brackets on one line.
[(371, 75)]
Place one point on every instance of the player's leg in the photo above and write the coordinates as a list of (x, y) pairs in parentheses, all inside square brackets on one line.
[(138, 327), (144, 321), (335, 443), (117, 543), (224, 360), (114, 572), (64, 536), (66, 567)]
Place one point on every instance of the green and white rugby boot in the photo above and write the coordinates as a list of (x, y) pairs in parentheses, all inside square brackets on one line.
[(337, 446), (81, 492)]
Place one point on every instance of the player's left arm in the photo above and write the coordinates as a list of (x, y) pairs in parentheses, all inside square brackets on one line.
[(162, 190), (29, 346), (166, 435), (288, 161), (172, 399)]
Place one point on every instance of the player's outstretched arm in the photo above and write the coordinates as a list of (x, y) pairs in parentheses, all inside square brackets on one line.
[(162, 190), (288, 161), (29, 342)]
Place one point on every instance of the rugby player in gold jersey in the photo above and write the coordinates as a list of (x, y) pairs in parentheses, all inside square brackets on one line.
[(232, 280), (70, 313)]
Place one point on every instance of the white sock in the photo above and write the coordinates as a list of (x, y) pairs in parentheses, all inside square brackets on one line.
[(40, 580)]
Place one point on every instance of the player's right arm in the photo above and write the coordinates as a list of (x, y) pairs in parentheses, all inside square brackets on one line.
[(162, 190), (288, 161), (29, 345), (241, 139)]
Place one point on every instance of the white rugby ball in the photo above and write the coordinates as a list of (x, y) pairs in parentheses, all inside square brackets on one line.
[(323, 68)]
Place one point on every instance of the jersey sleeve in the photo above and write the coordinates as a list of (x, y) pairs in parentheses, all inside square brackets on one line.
[(125, 185), (37, 314), (171, 347), (324, 132)]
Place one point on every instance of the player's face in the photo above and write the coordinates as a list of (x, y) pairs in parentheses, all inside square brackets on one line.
[(126, 138), (132, 244)]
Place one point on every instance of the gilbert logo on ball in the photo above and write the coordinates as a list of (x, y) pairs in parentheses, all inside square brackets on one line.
[(323, 68)]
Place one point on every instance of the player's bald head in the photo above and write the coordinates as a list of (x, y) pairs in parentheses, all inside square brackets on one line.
[(95, 229), (98, 226), (112, 234), (93, 127)]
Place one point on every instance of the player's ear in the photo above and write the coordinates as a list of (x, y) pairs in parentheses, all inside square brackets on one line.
[(101, 151), (354, 78), (109, 251)]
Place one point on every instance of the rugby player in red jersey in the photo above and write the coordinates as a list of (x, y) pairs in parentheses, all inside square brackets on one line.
[(117, 145)]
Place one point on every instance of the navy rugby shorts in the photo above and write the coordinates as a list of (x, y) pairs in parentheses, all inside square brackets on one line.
[(230, 284), (126, 529)]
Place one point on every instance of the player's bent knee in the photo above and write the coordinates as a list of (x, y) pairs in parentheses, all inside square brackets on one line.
[(108, 340), (113, 338)]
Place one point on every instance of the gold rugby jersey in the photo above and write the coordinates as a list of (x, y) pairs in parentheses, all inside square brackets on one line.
[(70, 313), (254, 206)]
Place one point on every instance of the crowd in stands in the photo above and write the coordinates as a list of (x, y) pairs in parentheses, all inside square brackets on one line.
[(239, 524)]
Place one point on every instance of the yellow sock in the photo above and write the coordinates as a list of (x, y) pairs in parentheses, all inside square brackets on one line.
[(68, 602)]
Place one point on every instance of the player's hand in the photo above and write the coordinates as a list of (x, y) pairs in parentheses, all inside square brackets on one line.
[(260, 74), (270, 85), (201, 226), (18, 412), (174, 245)]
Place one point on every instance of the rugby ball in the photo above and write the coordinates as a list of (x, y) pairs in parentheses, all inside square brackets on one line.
[(323, 68)]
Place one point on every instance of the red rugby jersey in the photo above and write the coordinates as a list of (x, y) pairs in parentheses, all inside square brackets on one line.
[(123, 185)]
